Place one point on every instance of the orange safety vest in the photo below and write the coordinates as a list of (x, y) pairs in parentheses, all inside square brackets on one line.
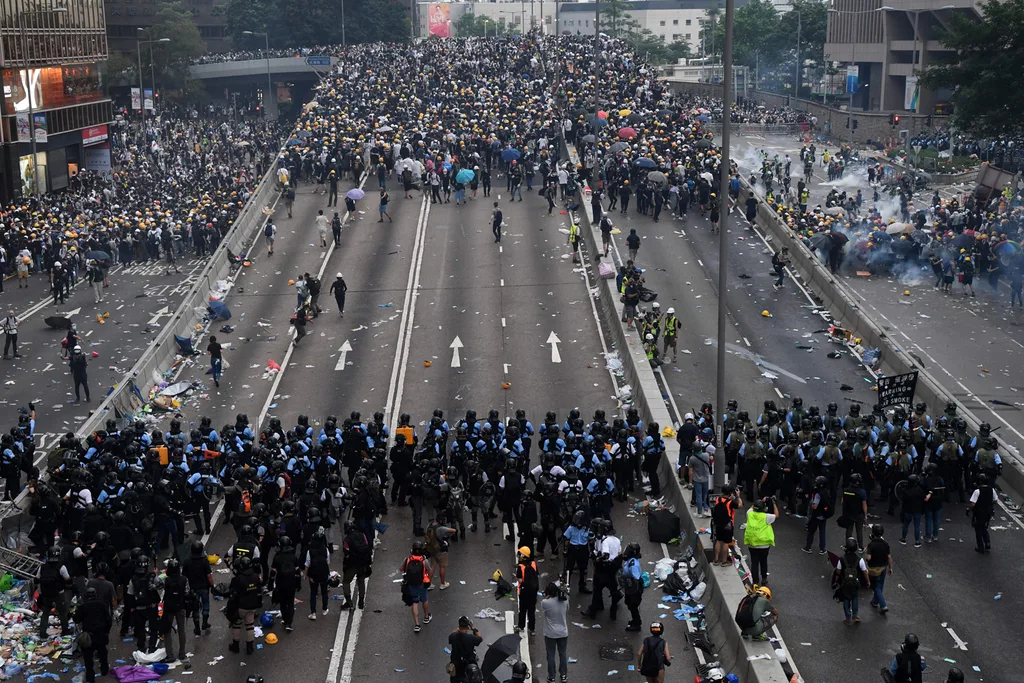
[(521, 573)]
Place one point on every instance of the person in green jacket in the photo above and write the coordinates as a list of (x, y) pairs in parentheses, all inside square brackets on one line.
[(759, 537)]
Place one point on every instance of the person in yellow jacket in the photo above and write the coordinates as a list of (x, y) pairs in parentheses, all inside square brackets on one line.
[(759, 537), (574, 241)]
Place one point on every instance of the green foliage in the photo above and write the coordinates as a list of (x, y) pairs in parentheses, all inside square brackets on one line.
[(615, 18), (473, 25), (985, 55), (170, 60)]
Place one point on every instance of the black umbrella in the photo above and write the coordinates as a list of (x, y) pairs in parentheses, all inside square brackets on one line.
[(58, 322), (617, 147), (703, 143), (498, 652), (98, 255), (589, 138), (634, 118), (665, 113), (840, 238), (821, 240), (963, 241)]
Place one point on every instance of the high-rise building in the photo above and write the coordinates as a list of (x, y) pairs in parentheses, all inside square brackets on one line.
[(126, 17), (55, 105)]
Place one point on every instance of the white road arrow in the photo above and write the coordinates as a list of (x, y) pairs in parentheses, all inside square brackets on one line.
[(455, 346), (164, 312), (74, 311), (554, 341), (342, 355)]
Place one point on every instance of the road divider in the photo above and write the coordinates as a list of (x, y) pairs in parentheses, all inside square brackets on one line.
[(752, 661)]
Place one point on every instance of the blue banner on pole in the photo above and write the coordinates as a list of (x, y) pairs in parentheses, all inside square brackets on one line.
[(852, 74)]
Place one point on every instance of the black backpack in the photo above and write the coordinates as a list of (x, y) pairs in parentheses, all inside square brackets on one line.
[(849, 579), (825, 507), (269, 230), (414, 571), (359, 550), (745, 612)]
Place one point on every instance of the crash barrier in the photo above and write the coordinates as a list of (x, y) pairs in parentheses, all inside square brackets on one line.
[(757, 128), (844, 304), (724, 587), (130, 393)]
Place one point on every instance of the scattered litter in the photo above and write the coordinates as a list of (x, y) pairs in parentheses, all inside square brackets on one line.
[(998, 596), (387, 305)]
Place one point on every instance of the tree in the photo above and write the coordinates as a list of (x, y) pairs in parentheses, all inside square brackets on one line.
[(756, 37), (470, 25), (808, 20), (615, 18), (986, 55), (250, 15), (295, 23), (171, 59)]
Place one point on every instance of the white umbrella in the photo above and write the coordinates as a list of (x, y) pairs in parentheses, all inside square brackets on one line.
[(899, 228), (834, 210)]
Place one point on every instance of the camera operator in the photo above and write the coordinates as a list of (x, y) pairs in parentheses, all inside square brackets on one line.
[(462, 642), (606, 563)]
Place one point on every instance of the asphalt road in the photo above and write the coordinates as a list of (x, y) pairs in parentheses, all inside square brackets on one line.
[(414, 285), (137, 301), (969, 344), (935, 587)]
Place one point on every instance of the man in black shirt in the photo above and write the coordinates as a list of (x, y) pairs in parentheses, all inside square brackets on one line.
[(463, 642), (95, 618), (200, 578)]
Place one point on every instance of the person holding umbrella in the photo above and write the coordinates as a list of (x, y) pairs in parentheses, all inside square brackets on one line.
[(462, 642)]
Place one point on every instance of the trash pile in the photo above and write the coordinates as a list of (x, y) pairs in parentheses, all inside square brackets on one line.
[(22, 652)]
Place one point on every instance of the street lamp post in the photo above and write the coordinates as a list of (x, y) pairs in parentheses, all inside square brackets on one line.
[(28, 83), (796, 76), (724, 167), (266, 38), (138, 48), (853, 61)]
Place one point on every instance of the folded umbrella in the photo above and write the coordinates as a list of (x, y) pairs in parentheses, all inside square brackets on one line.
[(355, 193)]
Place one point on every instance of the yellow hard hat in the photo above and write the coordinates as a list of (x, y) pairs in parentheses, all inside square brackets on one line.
[(497, 575), (525, 551), (764, 591), (271, 639)]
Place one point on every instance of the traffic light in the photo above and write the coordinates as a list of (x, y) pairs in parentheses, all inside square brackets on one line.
[(892, 119), (855, 124), (895, 120)]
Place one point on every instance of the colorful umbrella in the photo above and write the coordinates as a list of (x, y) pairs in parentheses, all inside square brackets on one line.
[(627, 133), (1007, 248), (510, 154), (355, 193), (464, 176)]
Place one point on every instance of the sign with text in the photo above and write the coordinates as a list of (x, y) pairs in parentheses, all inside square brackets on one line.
[(136, 99), (39, 127), (318, 60), (147, 99), (852, 75), (911, 93), (97, 159), (439, 19), (24, 129), (897, 390), (95, 134)]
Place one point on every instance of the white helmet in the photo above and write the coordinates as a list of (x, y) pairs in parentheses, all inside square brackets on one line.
[(339, 276), (650, 337), (671, 311), (688, 416), (655, 305)]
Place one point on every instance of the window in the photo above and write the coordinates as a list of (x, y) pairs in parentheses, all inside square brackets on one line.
[(675, 36), (675, 22), (688, 35), (661, 23), (688, 21)]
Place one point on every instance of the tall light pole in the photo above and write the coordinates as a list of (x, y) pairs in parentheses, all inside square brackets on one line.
[(796, 76), (343, 23), (724, 166), (31, 88), (266, 38), (138, 47)]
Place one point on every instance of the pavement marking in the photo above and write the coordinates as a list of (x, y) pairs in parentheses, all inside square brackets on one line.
[(455, 346), (506, 366), (960, 644), (1017, 343), (553, 339), (343, 354), (503, 322), (501, 282), (700, 262), (89, 333), (746, 341), (777, 391), (48, 366)]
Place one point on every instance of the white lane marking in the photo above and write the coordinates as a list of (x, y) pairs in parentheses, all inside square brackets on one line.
[(777, 391), (455, 346), (164, 312), (503, 322), (960, 644), (506, 366), (553, 339), (502, 282), (746, 341), (700, 262), (48, 366), (343, 355)]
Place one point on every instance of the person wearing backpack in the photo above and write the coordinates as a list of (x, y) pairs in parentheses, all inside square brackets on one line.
[(722, 514), (269, 232), (820, 511), (756, 614), (631, 583), (851, 571), (415, 581), (879, 558), (436, 538), (356, 563), (654, 656), (529, 584)]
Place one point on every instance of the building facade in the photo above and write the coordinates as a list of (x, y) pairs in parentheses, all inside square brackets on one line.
[(673, 20), (891, 43), (126, 17), (54, 96)]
